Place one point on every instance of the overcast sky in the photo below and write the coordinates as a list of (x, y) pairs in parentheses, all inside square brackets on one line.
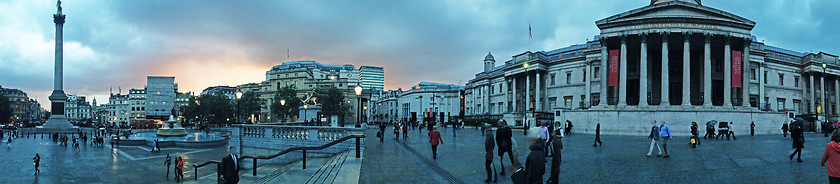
[(116, 44)]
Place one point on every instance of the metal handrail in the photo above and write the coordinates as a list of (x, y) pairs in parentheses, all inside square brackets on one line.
[(303, 148)]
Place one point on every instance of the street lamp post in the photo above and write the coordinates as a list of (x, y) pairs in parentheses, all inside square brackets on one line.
[(283, 103), (358, 91), (238, 96)]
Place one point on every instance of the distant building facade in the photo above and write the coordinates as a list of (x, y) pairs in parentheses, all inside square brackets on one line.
[(160, 97), (227, 91), (137, 103), (425, 101)]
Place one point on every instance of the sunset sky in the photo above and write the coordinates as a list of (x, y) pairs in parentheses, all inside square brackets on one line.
[(116, 44)]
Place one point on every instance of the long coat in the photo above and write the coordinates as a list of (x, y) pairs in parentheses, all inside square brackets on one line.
[(798, 137)]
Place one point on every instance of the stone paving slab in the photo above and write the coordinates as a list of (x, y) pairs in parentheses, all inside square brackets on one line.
[(749, 159)]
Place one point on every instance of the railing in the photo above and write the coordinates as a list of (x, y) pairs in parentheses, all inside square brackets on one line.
[(302, 148)]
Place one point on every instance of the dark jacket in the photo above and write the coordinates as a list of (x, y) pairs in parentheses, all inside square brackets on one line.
[(598, 130), (798, 137), (557, 145), (654, 133), (503, 138), (694, 130), (535, 163), (230, 170), (489, 144)]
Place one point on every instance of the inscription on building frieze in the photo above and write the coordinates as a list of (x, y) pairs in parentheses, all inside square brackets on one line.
[(675, 25)]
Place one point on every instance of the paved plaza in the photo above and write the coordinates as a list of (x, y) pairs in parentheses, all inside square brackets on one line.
[(750, 159), (756, 159)]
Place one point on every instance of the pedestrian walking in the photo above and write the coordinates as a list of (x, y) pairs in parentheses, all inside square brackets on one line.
[(382, 132), (489, 145), (798, 139), (785, 129), (505, 144), (181, 168), (405, 131), (665, 133), (454, 127), (157, 145), (37, 160), (435, 140), (167, 162), (831, 155), (154, 144), (752, 128), (710, 129), (723, 130), (597, 136), (557, 145), (654, 139), (569, 127), (731, 131), (397, 131), (545, 137), (694, 135)]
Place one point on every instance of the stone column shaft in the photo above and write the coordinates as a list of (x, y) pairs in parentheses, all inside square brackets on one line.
[(686, 76), (537, 96), (813, 103), (836, 96), (745, 68), (823, 101), (643, 78), (588, 84), (527, 90), (604, 70), (707, 72), (665, 79), (622, 77), (727, 74), (514, 105)]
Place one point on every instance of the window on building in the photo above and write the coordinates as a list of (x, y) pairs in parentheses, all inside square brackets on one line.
[(582, 100), (584, 75), (780, 104), (492, 108), (552, 79), (500, 88), (287, 83), (491, 89), (796, 104), (296, 74), (552, 102), (752, 73), (567, 101), (796, 82), (568, 77), (296, 84), (596, 73), (501, 109), (754, 100), (781, 79)]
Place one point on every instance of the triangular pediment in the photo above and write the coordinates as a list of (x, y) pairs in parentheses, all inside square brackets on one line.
[(677, 11)]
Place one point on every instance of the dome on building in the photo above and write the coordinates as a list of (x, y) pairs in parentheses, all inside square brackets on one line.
[(489, 57)]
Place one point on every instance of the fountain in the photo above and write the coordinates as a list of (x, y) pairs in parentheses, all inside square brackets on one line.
[(171, 128)]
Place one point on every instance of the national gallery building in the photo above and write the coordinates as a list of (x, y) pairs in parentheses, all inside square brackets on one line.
[(673, 60)]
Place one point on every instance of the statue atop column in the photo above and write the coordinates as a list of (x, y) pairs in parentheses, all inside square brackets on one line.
[(58, 5)]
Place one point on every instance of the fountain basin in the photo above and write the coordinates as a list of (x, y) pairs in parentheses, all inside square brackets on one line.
[(171, 132), (190, 140)]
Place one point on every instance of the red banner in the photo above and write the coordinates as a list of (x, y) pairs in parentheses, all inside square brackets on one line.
[(613, 78), (736, 68)]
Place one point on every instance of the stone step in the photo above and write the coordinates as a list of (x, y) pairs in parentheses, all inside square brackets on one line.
[(327, 172)]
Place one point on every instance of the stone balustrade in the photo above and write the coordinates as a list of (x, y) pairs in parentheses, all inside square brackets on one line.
[(269, 139)]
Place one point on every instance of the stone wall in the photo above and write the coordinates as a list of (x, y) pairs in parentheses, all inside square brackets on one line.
[(638, 122)]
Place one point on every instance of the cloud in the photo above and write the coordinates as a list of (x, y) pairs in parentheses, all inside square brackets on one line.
[(208, 43)]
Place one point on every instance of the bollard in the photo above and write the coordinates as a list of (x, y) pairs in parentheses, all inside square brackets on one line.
[(255, 166), (304, 159), (357, 147)]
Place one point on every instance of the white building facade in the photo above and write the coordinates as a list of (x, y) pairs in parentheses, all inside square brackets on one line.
[(424, 102), (675, 61)]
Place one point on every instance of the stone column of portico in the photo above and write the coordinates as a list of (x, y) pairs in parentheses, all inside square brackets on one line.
[(761, 79), (622, 77), (707, 72), (686, 77), (527, 90), (537, 96), (813, 105), (513, 88), (604, 70), (745, 70), (665, 79), (837, 95), (588, 84), (727, 74), (823, 101), (643, 79)]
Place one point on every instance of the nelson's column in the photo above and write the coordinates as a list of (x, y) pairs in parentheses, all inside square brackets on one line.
[(57, 119)]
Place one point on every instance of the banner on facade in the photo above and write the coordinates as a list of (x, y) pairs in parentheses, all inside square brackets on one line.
[(736, 69), (613, 78)]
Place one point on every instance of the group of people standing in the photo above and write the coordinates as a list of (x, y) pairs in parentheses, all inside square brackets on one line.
[(179, 167), (541, 141)]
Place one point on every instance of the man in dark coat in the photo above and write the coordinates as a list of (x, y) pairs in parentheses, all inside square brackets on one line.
[(798, 139), (535, 163), (489, 145), (230, 166), (503, 135), (597, 136), (557, 144)]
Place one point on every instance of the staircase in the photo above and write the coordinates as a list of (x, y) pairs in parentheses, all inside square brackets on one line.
[(339, 168)]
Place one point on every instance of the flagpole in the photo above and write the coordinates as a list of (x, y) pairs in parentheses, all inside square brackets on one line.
[(529, 35)]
